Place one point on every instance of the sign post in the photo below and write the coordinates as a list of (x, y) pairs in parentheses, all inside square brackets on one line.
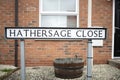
[(89, 60), (22, 59), (47, 33)]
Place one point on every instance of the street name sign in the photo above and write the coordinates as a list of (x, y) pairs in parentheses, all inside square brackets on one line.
[(48, 33)]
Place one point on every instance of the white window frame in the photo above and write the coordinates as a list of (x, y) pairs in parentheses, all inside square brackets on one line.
[(41, 12)]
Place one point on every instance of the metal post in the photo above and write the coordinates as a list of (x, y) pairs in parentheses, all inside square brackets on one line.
[(22, 49), (89, 60)]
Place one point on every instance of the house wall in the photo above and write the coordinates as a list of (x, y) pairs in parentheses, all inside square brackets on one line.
[(43, 52), (7, 13)]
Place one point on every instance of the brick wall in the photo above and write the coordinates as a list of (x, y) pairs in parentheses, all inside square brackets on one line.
[(39, 52), (6, 19), (102, 16)]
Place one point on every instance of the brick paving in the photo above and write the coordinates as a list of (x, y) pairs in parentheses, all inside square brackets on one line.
[(99, 72)]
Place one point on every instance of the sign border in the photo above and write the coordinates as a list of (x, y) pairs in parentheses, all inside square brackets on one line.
[(55, 28)]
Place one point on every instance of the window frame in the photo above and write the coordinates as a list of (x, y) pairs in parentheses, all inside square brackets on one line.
[(54, 13)]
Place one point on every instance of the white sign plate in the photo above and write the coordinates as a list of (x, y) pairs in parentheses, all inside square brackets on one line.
[(54, 33)]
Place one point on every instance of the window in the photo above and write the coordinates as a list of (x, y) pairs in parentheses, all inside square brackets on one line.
[(59, 13), (117, 13)]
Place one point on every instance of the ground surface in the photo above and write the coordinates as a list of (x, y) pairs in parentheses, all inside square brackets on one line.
[(100, 72)]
